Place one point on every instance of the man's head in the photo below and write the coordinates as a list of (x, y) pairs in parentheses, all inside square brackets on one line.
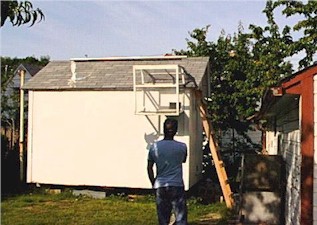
[(170, 127)]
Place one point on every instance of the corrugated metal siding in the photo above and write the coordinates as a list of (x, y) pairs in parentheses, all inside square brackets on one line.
[(290, 149), (285, 140), (315, 152)]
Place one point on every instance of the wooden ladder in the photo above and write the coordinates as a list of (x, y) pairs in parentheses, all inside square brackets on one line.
[(219, 164)]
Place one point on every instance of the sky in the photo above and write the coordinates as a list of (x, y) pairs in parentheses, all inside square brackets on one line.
[(78, 29)]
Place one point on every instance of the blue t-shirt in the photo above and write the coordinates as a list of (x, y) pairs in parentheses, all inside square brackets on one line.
[(168, 155)]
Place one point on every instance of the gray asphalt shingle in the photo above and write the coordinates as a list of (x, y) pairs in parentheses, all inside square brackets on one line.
[(108, 74)]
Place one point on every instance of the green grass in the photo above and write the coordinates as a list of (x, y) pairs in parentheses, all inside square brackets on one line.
[(66, 209)]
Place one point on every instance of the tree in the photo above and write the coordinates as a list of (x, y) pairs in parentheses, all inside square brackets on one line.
[(270, 51), (199, 46), (10, 99), (234, 89), (20, 13), (308, 25), (244, 65)]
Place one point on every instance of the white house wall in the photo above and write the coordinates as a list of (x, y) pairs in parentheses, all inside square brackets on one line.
[(94, 138), (271, 142)]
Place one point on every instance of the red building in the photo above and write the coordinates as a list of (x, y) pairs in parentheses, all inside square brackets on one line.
[(289, 117)]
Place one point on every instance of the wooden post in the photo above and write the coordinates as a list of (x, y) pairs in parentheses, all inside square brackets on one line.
[(221, 172), (21, 136)]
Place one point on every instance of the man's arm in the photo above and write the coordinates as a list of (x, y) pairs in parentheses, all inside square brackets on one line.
[(150, 171), (185, 156)]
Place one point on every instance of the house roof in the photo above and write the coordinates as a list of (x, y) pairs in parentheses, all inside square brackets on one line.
[(31, 69), (289, 88), (299, 73), (110, 73)]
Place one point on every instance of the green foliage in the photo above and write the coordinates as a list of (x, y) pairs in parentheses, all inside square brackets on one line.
[(245, 64), (20, 13), (270, 50), (9, 65), (232, 96), (10, 101), (234, 89), (199, 46), (308, 25), (10, 96)]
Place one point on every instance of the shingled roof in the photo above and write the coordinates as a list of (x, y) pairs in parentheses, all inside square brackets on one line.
[(109, 73), (31, 69)]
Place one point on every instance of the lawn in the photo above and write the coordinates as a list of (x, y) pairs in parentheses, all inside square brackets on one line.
[(66, 209)]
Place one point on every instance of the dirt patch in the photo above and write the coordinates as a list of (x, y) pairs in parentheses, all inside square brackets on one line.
[(210, 219)]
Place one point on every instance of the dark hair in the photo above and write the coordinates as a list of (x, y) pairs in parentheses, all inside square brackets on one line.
[(172, 129)]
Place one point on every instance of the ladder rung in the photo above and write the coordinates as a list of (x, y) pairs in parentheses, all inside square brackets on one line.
[(218, 155), (227, 182)]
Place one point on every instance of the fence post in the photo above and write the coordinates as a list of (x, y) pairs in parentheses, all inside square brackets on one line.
[(21, 136)]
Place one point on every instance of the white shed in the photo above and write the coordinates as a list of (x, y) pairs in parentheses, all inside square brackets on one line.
[(91, 121)]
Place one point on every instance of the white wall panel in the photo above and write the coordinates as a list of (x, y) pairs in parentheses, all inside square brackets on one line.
[(92, 138), (285, 139)]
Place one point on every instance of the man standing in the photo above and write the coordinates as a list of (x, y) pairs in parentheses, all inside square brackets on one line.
[(168, 155)]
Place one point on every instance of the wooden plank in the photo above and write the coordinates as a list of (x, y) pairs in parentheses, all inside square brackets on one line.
[(156, 67), (221, 172), (157, 85), (171, 112), (130, 58)]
